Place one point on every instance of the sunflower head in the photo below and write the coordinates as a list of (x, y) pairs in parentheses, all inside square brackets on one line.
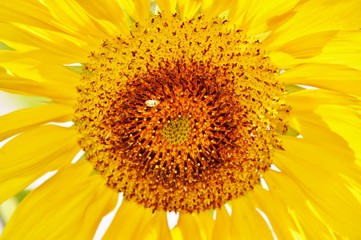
[(174, 115), (181, 115)]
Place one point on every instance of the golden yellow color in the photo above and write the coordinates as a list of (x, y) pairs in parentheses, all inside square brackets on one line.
[(211, 135), (241, 116)]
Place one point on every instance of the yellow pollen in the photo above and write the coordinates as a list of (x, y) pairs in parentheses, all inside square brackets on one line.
[(177, 130), (181, 115)]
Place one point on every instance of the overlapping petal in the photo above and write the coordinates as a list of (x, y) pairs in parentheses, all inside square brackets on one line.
[(19, 121), (316, 17), (134, 222), (246, 215), (334, 77), (61, 92), (70, 205), (24, 159)]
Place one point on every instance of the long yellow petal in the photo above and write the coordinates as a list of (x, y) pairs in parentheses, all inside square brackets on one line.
[(326, 76), (32, 13), (129, 219), (246, 222), (346, 123), (316, 99), (342, 49), (316, 16), (138, 10), (30, 155), (325, 162), (282, 223), (211, 8), (39, 44), (58, 91), (102, 201), (106, 10), (308, 46), (222, 224), (66, 30), (71, 17), (256, 17), (187, 9), (292, 196), (167, 5), (156, 228), (326, 157), (21, 120), (75, 19), (187, 227), (328, 111), (20, 65), (206, 223), (70, 205)]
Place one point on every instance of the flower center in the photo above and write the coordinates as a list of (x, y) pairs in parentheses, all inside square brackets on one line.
[(176, 131), (181, 115)]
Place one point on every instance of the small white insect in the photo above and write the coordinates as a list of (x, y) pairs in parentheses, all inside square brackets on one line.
[(108, 134), (151, 103)]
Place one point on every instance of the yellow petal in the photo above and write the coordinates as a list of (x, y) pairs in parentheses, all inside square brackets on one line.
[(156, 228), (64, 30), (328, 110), (316, 98), (32, 13), (70, 205), (107, 10), (344, 49), (76, 20), (318, 171), (17, 64), (129, 219), (206, 223), (346, 123), (13, 102), (212, 8), (25, 67), (246, 222), (167, 5), (316, 16), (102, 201), (39, 44), (308, 224), (254, 17), (31, 154), (138, 10), (308, 46), (317, 163), (326, 76), (58, 91), (187, 227), (187, 9), (24, 119), (221, 228), (281, 222)]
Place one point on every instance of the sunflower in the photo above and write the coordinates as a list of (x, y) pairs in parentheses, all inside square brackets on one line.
[(182, 119)]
